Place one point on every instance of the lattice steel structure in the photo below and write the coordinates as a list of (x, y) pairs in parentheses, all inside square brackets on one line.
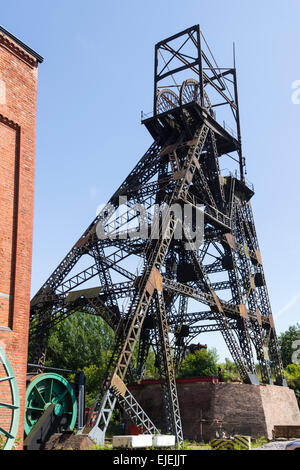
[(161, 292)]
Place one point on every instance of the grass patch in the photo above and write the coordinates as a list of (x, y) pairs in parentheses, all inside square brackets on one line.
[(188, 445), (259, 442)]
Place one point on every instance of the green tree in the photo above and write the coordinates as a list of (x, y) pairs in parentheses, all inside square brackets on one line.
[(230, 371), (93, 375), (79, 341), (85, 342), (200, 364), (292, 374), (151, 371), (286, 340)]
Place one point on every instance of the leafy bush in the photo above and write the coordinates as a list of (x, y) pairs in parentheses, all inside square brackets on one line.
[(230, 371), (286, 340), (292, 374), (200, 364)]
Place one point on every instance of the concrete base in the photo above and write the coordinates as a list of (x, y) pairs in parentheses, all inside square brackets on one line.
[(163, 440), (251, 410), (133, 442)]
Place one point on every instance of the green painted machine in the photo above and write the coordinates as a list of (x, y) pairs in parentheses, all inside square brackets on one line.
[(47, 389), (9, 403), (52, 405)]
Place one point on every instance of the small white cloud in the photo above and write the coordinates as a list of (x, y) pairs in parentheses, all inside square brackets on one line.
[(296, 93), (290, 304)]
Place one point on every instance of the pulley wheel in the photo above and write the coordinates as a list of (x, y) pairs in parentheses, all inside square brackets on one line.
[(44, 390), (9, 403)]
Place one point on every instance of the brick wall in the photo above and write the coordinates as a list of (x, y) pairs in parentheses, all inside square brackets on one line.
[(18, 89), (242, 409)]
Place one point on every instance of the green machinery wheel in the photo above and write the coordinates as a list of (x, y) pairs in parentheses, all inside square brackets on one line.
[(9, 403), (44, 390)]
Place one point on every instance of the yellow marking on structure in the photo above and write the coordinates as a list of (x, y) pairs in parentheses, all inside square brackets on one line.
[(118, 383), (243, 442)]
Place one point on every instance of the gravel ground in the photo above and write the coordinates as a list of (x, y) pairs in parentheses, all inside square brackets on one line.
[(277, 445)]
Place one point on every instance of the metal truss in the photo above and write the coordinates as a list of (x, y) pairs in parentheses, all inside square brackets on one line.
[(167, 371), (143, 285)]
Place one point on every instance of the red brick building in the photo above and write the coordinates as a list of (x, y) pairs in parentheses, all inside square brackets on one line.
[(18, 91)]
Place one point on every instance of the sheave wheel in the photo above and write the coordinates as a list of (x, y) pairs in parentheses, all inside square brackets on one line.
[(9, 403)]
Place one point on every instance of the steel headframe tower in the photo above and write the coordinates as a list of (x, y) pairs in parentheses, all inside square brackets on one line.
[(162, 291)]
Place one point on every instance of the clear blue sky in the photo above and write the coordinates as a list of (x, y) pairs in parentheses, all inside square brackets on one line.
[(97, 77)]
